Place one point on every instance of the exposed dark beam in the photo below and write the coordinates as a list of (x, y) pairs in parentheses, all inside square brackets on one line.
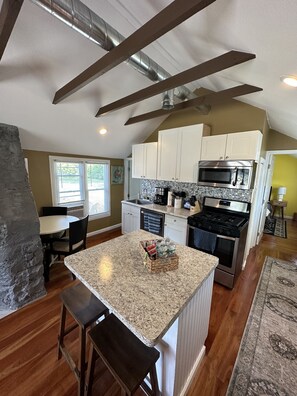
[(214, 65), (171, 16), (205, 100), (8, 15)]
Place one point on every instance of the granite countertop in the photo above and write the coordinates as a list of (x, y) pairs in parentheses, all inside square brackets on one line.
[(147, 303), (183, 213)]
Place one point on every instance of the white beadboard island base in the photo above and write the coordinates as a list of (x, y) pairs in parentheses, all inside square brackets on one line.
[(168, 310), (182, 347)]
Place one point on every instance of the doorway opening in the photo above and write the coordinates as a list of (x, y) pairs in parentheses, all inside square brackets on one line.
[(267, 196), (131, 185)]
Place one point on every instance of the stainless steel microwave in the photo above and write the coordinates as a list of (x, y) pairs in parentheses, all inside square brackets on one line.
[(229, 174)]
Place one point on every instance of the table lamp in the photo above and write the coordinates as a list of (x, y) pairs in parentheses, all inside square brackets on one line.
[(281, 192)]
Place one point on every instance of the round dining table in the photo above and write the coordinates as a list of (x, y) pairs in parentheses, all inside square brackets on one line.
[(55, 224)]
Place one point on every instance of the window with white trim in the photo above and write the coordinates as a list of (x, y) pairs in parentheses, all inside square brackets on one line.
[(77, 181)]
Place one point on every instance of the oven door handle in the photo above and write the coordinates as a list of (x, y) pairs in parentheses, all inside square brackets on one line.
[(226, 237)]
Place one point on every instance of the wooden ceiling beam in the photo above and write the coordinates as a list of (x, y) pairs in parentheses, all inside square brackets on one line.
[(171, 16), (214, 65), (204, 100), (8, 15)]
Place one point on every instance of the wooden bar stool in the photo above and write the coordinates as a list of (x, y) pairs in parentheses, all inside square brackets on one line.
[(85, 309), (125, 356)]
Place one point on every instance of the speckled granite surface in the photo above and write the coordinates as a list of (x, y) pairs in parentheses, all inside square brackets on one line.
[(184, 213), (146, 303)]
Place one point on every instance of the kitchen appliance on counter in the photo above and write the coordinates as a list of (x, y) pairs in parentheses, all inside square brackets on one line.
[(229, 174), (152, 221), (161, 194), (178, 199), (220, 229)]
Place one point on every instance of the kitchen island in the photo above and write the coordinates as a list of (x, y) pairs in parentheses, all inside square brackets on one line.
[(168, 310)]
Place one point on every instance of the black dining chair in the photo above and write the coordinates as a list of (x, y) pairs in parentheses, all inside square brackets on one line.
[(46, 239), (54, 210), (74, 242)]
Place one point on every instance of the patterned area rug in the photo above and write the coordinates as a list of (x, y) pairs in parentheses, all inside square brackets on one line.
[(276, 227), (267, 360), (280, 228)]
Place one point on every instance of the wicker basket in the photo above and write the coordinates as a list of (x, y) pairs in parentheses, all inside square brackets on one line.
[(160, 264)]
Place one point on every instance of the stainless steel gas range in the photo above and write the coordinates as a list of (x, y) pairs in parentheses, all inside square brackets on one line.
[(220, 229)]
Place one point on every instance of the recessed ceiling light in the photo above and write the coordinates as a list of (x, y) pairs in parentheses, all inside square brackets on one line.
[(289, 80), (103, 131)]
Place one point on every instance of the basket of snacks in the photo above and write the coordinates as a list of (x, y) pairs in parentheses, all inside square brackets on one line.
[(159, 255)]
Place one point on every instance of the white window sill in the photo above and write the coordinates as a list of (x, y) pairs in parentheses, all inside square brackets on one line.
[(99, 216)]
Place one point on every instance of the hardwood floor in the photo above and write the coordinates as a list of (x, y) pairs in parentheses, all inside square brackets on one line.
[(28, 337), (230, 311)]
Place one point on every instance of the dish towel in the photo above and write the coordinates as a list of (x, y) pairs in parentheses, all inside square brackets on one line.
[(204, 240)]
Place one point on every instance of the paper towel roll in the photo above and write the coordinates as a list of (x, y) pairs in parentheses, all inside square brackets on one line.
[(169, 198)]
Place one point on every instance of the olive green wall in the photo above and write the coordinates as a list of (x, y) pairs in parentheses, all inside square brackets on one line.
[(278, 141), (233, 116), (39, 177)]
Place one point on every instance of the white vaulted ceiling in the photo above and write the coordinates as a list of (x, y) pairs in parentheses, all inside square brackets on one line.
[(43, 54)]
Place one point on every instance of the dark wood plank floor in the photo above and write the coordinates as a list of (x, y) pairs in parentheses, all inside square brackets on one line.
[(28, 337)]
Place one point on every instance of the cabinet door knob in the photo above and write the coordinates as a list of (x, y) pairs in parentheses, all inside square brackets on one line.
[(227, 156)]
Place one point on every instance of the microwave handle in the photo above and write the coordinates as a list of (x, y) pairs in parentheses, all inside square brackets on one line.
[(236, 176)]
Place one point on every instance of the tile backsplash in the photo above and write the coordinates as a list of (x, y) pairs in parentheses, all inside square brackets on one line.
[(147, 189)]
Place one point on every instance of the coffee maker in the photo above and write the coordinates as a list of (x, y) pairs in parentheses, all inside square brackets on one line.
[(161, 195)]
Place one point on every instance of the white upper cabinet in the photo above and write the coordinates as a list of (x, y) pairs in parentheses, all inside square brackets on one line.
[(144, 160), (232, 146), (179, 153), (168, 142), (244, 145), (213, 147)]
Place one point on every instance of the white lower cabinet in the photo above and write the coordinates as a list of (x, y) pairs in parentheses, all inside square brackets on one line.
[(175, 228), (130, 218)]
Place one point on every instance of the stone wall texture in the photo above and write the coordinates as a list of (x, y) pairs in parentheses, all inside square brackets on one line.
[(21, 256)]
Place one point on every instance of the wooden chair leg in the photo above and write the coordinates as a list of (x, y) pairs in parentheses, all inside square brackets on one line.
[(62, 330), (154, 381), (82, 360), (90, 371)]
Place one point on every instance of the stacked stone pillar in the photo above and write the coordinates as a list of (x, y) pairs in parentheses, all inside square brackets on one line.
[(21, 257)]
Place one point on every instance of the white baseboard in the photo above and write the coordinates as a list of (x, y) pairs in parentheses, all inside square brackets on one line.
[(193, 371), (104, 230)]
